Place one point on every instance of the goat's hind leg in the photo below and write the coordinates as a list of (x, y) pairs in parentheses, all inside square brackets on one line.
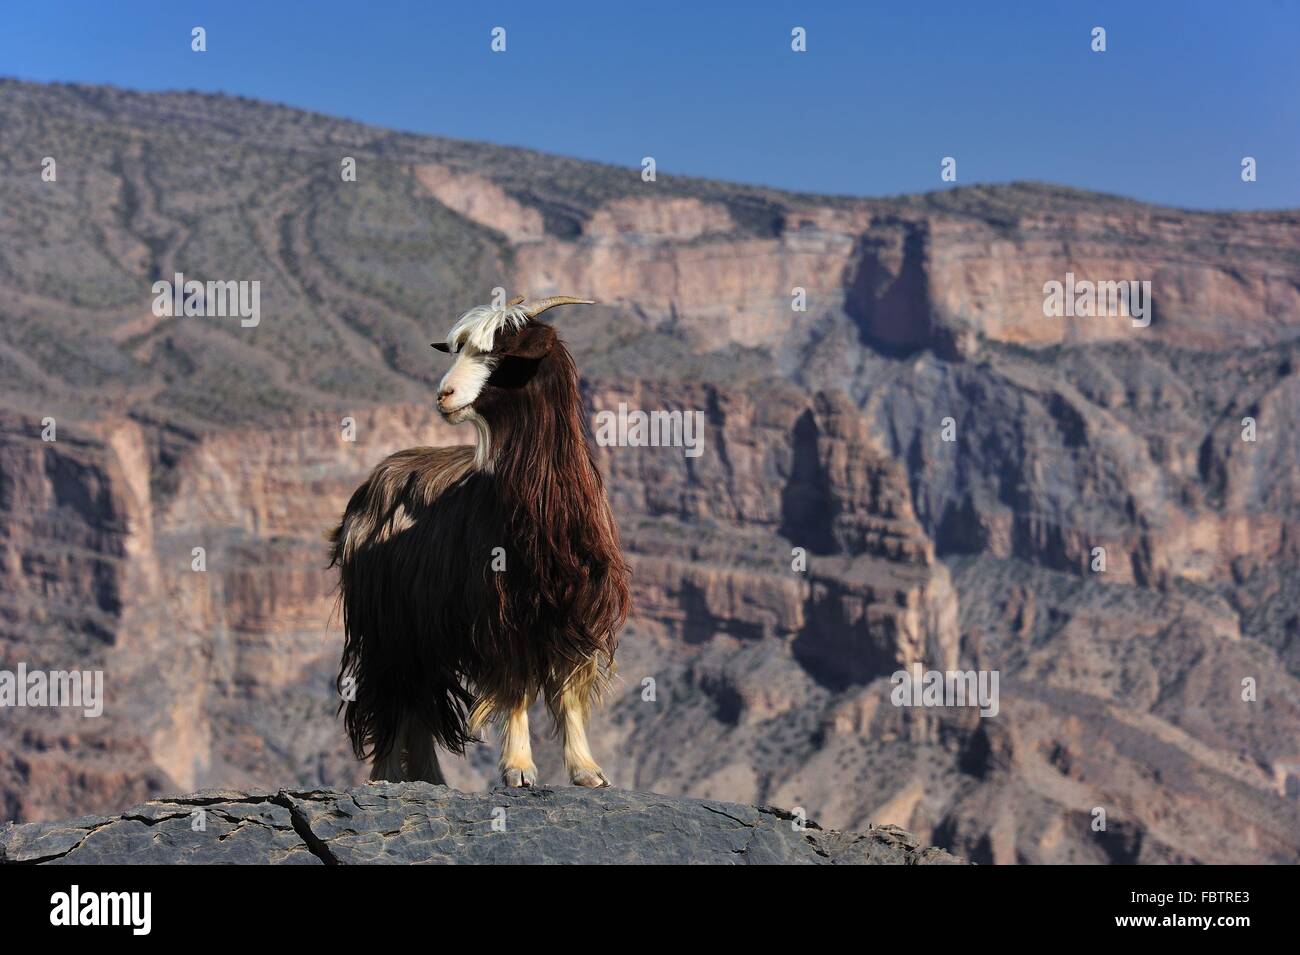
[(571, 707), (516, 765)]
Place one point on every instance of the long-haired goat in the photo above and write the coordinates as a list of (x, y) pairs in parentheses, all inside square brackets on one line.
[(475, 577)]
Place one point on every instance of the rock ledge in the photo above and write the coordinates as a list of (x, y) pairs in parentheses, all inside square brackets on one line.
[(417, 822)]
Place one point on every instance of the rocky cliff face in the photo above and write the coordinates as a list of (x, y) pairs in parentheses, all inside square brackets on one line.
[(904, 460), (407, 823)]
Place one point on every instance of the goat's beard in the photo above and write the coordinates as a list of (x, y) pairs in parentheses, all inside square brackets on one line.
[(482, 435), (460, 415)]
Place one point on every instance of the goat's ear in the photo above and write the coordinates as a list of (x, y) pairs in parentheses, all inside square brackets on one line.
[(442, 347), (534, 341)]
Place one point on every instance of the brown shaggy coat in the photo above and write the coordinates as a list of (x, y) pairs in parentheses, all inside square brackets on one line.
[(470, 588)]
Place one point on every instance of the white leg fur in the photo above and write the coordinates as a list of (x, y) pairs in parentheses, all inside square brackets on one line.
[(517, 767), (578, 760)]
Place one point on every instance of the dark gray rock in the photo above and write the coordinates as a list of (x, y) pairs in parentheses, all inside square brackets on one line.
[(419, 823)]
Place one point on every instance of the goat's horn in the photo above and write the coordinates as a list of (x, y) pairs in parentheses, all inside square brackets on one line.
[(535, 308)]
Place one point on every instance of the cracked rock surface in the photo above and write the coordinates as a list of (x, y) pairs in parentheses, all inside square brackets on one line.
[(419, 823)]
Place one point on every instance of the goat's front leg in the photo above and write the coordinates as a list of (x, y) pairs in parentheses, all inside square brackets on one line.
[(388, 766), (574, 705), (517, 767)]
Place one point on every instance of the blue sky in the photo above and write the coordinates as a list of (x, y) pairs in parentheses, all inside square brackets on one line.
[(884, 92)]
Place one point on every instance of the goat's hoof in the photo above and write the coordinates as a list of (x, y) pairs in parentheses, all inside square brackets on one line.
[(519, 778), (590, 779)]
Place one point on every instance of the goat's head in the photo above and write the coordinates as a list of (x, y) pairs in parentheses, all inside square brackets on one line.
[(498, 352)]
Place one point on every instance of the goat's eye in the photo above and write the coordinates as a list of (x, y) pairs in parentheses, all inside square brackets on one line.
[(512, 372)]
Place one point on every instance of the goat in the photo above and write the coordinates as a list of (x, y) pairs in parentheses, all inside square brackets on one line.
[(474, 577)]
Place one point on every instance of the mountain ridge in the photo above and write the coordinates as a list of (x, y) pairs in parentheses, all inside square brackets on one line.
[(1042, 187)]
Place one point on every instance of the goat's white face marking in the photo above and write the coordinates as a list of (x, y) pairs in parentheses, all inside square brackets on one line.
[(463, 383), (471, 339)]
